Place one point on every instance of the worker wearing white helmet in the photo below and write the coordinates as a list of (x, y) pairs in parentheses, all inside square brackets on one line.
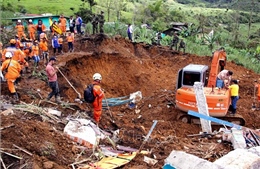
[(98, 94), (13, 69), (31, 29), (20, 29)]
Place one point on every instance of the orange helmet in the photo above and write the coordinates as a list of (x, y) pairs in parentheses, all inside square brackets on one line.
[(13, 41)]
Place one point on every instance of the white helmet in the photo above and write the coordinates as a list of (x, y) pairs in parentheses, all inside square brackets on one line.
[(97, 76), (8, 55), (30, 20), (19, 20)]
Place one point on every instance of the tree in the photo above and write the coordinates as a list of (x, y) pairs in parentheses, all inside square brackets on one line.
[(108, 7), (85, 14), (90, 2), (119, 5)]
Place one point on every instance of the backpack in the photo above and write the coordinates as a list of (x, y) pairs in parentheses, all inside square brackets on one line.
[(88, 94)]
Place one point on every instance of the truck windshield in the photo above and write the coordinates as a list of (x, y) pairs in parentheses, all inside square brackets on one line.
[(190, 77)]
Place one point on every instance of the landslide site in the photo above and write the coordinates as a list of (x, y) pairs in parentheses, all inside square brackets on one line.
[(125, 67)]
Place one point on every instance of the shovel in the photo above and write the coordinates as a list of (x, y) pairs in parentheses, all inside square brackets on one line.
[(79, 95), (254, 105)]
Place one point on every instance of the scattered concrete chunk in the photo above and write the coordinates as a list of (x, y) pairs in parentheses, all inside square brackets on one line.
[(240, 159), (179, 159), (237, 139)]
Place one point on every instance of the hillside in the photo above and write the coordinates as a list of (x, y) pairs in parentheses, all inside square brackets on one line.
[(126, 68)]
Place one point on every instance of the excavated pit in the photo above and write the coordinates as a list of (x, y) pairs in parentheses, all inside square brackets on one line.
[(125, 68)]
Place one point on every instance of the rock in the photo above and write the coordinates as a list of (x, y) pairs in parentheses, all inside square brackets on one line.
[(48, 165)]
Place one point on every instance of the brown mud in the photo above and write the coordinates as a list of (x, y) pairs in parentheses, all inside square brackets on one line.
[(125, 68)]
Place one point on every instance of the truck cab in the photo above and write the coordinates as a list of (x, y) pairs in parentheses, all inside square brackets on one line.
[(190, 74)]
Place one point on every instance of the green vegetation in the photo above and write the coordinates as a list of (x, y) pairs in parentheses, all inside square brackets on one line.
[(236, 24)]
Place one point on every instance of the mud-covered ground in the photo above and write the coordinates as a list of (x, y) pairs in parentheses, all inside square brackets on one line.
[(125, 68)]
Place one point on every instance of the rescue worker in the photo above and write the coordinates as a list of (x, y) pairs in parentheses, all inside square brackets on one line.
[(12, 48), (224, 78), (31, 30), (175, 41), (101, 20), (22, 59), (53, 80), (35, 53), (234, 90), (13, 69), (63, 24), (98, 93), (20, 29), (182, 45), (28, 49), (40, 27), (94, 24), (43, 46), (70, 40), (17, 41), (60, 42)]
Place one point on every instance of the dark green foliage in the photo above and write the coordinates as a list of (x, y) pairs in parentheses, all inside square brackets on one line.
[(85, 14)]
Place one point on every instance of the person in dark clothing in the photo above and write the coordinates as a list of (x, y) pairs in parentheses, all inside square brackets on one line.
[(175, 41), (95, 24), (182, 45), (101, 20), (72, 23), (40, 27)]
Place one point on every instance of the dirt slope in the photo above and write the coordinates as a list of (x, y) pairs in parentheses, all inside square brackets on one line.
[(126, 68)]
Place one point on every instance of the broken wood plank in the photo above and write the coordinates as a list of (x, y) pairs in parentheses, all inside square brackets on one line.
[(3, 163), (27, 152), (11, 155)]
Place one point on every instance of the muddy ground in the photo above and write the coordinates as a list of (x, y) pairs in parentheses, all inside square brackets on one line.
[(126, 68)]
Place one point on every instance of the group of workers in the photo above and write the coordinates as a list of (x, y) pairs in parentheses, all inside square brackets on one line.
[(17, 55), (98, 21), (15, 58)]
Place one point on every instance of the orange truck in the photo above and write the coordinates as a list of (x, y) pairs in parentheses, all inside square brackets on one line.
[(218, 99)]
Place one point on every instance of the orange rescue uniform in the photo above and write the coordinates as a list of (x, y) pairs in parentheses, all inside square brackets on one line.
[(60, 41), (43, 45), (13, 72), (63, 22), (16, 53), (31, 31), (70, 38), (20, 31), (35, 50), (97, 104)]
